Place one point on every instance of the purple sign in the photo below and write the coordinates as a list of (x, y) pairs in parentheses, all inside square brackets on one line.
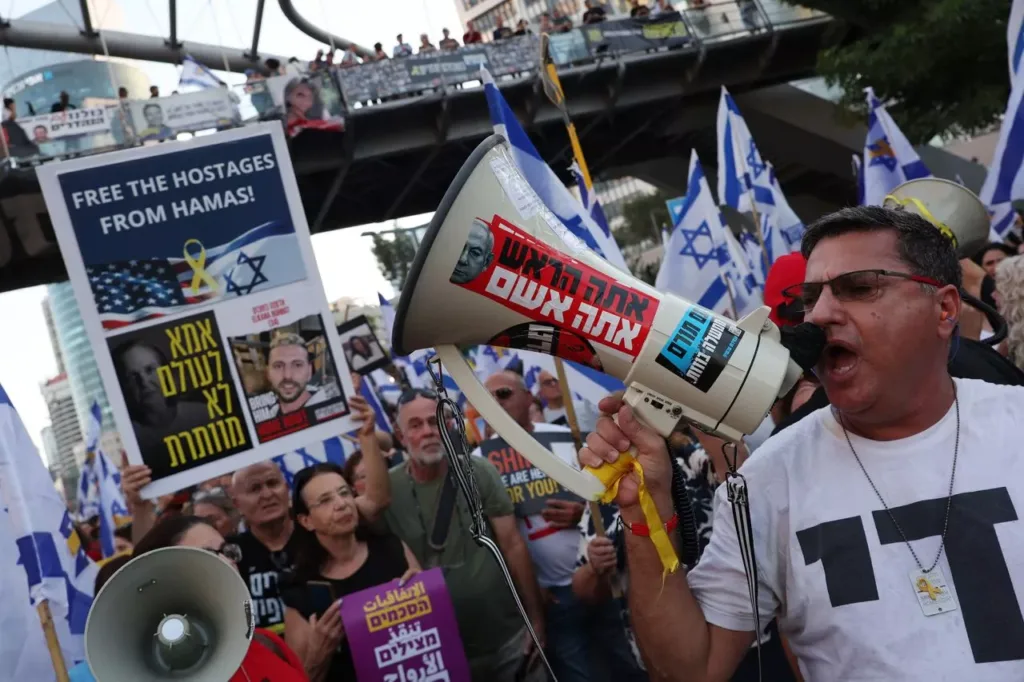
[(405, 634)]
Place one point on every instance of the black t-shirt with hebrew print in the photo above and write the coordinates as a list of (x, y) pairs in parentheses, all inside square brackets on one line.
[(262, 571)]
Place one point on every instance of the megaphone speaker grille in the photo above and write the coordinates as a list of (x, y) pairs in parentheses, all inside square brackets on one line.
[(174, 613)]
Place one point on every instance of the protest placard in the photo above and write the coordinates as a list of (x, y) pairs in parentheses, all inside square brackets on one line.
[(162, 118), (528, 486), (361, 347), (405, 634), (193, 269)]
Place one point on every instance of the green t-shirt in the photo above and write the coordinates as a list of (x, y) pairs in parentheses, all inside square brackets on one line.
[(486, 612)]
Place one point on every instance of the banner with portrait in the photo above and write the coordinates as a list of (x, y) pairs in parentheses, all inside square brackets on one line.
[(194, 273), (311, 102), (162, 118), (360, 345), (70, 123)]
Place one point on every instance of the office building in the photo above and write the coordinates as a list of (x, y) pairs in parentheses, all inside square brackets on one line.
[(79, 360), (66, 433), (51, 329), (50, 452)]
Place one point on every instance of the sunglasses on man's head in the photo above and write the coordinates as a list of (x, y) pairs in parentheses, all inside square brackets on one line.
[(859, 285), (414, 393)]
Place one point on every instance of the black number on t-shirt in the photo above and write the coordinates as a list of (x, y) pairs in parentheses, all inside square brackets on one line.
[(991, 610), (842, 548), (990, 607)]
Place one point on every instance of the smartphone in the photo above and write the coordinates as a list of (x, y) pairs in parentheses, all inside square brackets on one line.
[(321, 595)]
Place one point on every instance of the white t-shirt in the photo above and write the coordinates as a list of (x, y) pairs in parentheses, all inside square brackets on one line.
[(553, 553), (843, 598)]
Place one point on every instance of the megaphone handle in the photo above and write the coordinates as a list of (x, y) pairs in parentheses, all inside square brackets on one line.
[(582, 483)]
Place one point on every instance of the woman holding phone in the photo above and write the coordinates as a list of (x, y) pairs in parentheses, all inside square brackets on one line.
[(337, 555)]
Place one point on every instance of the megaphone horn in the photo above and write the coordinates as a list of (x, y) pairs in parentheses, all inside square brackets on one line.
[(497, 267), (955, 210), (170, 614)]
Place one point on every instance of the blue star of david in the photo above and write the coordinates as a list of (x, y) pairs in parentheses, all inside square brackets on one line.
[(690, 247), (254, 264), (754, 161)]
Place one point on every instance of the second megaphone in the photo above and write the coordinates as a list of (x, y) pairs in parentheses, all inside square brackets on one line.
[(171, 614), (497, 267)]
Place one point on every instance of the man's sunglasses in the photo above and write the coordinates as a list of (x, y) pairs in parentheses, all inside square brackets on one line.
[(859, 285), (503, 393), (228, 550)]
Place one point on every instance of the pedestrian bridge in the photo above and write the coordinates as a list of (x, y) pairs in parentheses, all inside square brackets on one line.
[(642, 94)]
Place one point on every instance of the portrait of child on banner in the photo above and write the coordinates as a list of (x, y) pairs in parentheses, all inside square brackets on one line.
[(289, 377)]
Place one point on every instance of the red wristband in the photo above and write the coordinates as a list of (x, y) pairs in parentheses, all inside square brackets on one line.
[(641, 529)]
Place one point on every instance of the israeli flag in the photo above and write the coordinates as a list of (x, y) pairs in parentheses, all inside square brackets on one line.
[(747, 183), (589, 200), (405, 363), (197, 75), (366, 390), (488, 360), (1015, 36), (698, 263), (555, 196), (335, 450), (586, 384), (889, 158), (88, 492), (1005, 181), (47, 550), (858, 172), (113, 508)]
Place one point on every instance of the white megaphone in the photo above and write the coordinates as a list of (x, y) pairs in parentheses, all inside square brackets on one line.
[(955, 210), (497, 267), (174, 613)]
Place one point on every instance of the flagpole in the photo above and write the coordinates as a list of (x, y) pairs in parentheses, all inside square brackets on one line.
[(60, 668), (753, 206), (553, 89), (732, 301), (574, 427)]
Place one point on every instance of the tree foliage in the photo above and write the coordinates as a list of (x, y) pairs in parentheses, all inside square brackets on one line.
[(642, 220), (394, 256), (940, 65)]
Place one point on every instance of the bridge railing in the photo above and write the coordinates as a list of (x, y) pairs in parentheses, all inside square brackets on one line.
[(335, 92)]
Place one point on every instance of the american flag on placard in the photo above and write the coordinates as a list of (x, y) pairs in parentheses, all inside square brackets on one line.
[(131, 291)]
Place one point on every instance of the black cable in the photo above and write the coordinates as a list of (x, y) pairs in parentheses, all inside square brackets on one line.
[(995, 320), (689, 540)]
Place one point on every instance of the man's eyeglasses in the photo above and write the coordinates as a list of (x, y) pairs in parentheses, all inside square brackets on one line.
[(413, 393), (228, 550), (859, 285)]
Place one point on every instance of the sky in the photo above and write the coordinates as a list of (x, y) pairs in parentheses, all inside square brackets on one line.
[(346, 263)]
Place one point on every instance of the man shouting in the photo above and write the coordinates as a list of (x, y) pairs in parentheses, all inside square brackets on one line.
[(886, 527)]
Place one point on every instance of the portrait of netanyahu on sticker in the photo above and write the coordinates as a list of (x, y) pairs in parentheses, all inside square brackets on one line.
[(289, 372), (477, 253)]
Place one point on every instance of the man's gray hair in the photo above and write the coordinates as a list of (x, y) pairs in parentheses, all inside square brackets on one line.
[(925, 250)]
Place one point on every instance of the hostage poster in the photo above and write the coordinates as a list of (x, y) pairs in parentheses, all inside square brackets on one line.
[(186, 258), (528, 486)]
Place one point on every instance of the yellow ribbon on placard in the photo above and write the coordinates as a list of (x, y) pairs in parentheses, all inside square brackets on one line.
[(926, 214), (610, 474), (198, 265)]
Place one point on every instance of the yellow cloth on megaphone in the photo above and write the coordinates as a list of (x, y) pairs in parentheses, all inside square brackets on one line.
[(926, 214), (611, 474)]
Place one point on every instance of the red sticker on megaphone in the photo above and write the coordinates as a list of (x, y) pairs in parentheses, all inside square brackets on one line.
[(549, 339), (541, 282)]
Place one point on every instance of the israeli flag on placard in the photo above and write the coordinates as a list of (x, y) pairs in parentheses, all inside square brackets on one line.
[(889, 158), (747, 183), (1015, 36), (698, 259), (47, 548), (1005, 181), (559, 200), (197, 75)]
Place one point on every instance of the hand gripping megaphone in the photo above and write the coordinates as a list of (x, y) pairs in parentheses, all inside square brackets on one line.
[(960, 215), (497, 267), (173, 613)]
